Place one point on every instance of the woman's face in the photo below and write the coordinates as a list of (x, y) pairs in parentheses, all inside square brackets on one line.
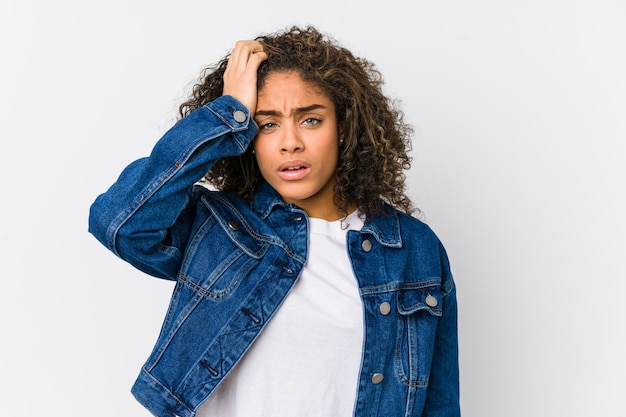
[(297, 145)]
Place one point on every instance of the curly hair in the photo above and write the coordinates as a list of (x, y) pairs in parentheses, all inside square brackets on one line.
[(375, 137)]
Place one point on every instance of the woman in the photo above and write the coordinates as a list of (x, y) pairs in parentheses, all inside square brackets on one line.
[(303, 285)]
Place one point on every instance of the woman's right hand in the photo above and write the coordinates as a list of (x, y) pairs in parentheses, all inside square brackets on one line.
[(240, 77)]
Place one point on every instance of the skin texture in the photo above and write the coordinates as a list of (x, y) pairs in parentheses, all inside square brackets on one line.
[(374, 137), (297, 146), (240, 77)]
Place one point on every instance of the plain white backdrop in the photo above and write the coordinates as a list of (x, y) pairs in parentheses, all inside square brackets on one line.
[(519, 165)]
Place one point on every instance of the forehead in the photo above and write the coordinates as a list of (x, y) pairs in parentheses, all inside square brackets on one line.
[(289, 85)]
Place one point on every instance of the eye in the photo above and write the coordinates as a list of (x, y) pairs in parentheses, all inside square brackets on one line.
[(268, 126), (311, 121)]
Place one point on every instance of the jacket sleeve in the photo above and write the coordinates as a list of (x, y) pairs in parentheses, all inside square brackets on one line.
[(442, 398), (145, 217)]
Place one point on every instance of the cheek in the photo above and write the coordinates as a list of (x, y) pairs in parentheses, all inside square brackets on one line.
[(257, 149), (262, 159)]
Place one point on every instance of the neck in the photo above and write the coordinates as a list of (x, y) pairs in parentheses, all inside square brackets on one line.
[(328, 213)]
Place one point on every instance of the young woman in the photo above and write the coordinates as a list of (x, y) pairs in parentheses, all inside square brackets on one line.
[(303, 285)]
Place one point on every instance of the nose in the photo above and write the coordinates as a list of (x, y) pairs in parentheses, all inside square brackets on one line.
[(291, 139)]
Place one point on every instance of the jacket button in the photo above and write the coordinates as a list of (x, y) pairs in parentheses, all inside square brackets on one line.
[(385, 308), (377, 378), (431, 301), (239, 116), (233, 225), (366, 245)]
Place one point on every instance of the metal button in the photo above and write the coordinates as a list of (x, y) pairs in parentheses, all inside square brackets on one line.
[(239, 116), (377, 378), (385, 308), (233, 225), (366, 245), (431, 301)]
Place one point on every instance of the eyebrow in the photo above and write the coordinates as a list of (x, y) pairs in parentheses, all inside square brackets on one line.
[(294, 111)]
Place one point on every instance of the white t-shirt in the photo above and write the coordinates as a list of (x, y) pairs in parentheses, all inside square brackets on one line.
[(306, 361)]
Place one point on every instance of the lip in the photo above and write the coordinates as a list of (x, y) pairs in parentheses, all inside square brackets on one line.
[(293, 170)]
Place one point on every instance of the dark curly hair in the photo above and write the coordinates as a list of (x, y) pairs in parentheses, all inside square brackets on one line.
[(375, 137)]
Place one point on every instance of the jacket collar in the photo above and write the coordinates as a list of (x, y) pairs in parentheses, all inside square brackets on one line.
[(265, 199), (384, 227)]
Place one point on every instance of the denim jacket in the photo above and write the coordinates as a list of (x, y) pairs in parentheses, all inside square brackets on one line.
[(234, 263)]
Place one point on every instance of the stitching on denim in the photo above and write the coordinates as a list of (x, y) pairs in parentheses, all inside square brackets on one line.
[(254, 233), (189, 307), (169, 316), (213, 295), (226, 121), (139, 201), (195, 240), (152, 188), (399, 286), (164, 388), (400, 374), (419, 306), (244, 223), (257, 253), (216, 272)]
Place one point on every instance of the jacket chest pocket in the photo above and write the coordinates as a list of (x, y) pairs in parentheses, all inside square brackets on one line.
[(418, 312), (217, 260)]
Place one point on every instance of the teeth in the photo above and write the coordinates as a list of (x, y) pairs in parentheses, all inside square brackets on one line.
[(293, 168)]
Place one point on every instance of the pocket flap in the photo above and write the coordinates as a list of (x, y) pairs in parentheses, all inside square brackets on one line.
[(238, 229), (413, 300)]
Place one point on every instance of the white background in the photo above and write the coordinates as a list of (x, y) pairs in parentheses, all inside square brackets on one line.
[(519, 165)]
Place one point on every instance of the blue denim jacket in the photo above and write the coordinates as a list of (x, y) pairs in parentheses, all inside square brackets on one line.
[(234, 263)]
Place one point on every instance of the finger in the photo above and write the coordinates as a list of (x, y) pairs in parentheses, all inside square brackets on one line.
[(244, 60), (240, 76), (256, 58), (243, 50)]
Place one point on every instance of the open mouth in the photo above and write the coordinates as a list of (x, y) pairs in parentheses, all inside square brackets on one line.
[(293, 172), (294, 168)]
